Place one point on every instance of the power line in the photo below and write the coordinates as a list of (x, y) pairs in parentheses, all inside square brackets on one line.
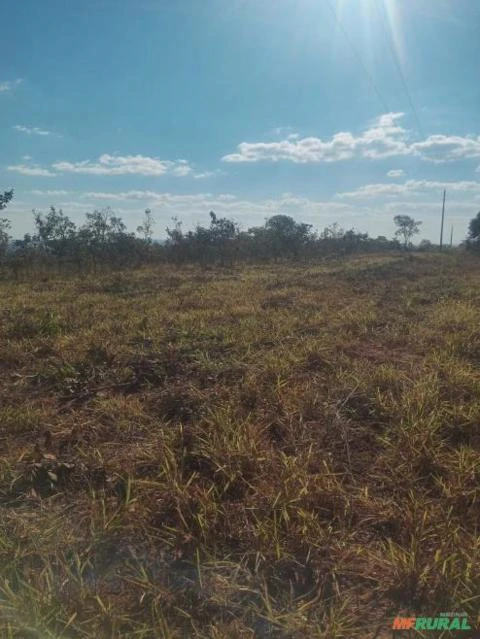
[(369, 75), (359, 59), (400, 71)]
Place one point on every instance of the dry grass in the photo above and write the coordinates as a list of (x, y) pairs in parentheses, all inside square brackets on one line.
[(274, 452)]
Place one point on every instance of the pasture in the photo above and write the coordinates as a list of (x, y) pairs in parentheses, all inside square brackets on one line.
[(279, 451)]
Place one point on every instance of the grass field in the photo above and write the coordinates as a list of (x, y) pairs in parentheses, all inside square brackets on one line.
[(270, 451)]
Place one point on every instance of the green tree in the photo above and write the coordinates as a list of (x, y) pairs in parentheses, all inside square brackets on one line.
[(257, 243), (223, 233), (425, 245), (330, 240), (474, 230), (104, 238), (96, 229), (205, 245), (177, 244), (5, 237), (102, 228), (54, 232), (332, 232), (5, 224), (146, 229), (407, 228), (5, 198), (286, 236)]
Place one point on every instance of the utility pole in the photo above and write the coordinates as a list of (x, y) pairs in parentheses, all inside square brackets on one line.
[(443, 218), (451, 237)]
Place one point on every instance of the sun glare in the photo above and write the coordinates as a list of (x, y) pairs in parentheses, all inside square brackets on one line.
[(392, 12), (376, 22)]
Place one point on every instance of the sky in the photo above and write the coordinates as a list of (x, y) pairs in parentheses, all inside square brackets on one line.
[(347, 111)]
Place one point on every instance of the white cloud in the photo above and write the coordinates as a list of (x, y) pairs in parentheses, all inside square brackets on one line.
[(30, 170), (31, 130), (443, 148), (182, 170), (288, 131), (396, 173), (385, 137), (455, 209), (49, 192), (411, 187), (113, 165), (205, 174), (118, 197), (382, 139), (196, 206), (281, 130), (124, 165), (302, 208), (7, 86), (374, 190)]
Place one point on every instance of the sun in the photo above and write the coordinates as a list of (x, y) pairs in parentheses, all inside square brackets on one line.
[(377, 20)]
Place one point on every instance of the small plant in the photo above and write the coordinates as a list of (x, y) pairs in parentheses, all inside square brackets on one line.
[(27, 323), (49, 324)]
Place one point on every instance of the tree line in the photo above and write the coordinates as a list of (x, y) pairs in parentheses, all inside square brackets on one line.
[(103, 241)]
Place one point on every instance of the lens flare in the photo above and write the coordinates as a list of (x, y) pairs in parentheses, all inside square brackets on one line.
[(391, 9)]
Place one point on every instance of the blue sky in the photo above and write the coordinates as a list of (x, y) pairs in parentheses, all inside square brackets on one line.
[(327, 110)]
